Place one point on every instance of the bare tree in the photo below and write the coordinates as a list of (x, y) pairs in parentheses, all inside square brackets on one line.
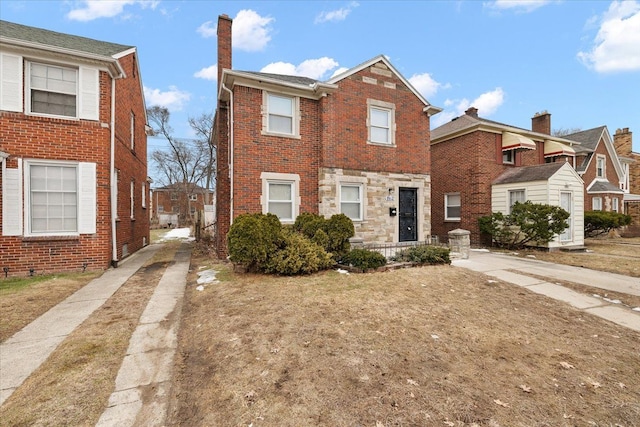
[(186, 162), (565, 131)]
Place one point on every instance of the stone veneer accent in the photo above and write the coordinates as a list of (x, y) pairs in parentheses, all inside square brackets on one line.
[(378, 226)]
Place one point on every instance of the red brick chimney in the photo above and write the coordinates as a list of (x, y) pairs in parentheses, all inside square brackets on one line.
[(224, 45), (472, 111), (622, 141), (541, 123)]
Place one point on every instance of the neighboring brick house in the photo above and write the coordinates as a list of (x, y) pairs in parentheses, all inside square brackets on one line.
[(74, 152), (472, 157), (630, 160), (181, 199), (357, 144), (600, 169)]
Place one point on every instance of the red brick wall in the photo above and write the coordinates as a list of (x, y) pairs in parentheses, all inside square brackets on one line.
[(223, 214), (32, 137), (611, 175)]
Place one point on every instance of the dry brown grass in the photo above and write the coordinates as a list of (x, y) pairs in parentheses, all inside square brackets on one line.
[(415, 347), (73, 386)]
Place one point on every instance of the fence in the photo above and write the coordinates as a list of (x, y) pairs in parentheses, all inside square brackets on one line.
[(390, 249)]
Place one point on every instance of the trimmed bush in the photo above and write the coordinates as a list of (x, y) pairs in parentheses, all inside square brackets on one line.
[(299, 255), (599, 222), (339, 229), (364, 259), (253, 238), (424, 255)]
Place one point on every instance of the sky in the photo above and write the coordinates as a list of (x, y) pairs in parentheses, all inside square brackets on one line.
[(578, 60)]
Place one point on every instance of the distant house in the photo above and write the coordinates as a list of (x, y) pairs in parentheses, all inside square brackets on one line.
[(179, 201), (357, 144), (479, 166), (599, 166), (73, 150), (630, 160)]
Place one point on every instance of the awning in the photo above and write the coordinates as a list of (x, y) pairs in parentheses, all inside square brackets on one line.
[(513, 141), (553, 148)]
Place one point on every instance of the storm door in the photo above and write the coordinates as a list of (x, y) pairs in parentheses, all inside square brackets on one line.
[(408, 214), (566, 204)]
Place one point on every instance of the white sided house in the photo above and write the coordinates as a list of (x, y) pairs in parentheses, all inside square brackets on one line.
[(555, 184)]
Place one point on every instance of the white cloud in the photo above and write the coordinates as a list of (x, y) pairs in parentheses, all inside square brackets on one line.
[(208, 73), (616, 46), (251, 32), (487, 104), (173, 99), (339, 71), (312, 68), (336, 15), (208, 29), (518, 6), (426, 85), (88, 10)]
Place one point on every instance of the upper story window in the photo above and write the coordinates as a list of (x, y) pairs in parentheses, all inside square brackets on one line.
[(518, 196), (600, 166), (132, 130), (193, 197), (281, 114), (452, 206), (508, 157), (381, 122), (52, 90), (174, 196)]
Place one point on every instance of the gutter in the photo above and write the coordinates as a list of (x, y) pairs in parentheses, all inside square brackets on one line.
[(230, 150)]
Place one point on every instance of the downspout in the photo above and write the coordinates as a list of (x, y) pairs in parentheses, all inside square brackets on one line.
[(230, 152), (112, 171)]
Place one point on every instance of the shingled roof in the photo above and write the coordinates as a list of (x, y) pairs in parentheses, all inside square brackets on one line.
[(12, 31), (529, 173), (588, 139), (299, 80)]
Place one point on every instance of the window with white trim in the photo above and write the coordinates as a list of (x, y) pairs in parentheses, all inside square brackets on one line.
[(380, 122), (115, 190), (281, 112), (53, 198), (615, 204), (143, 197), (132, 200), (132, 130), (193, 197), (508, 157), (52, 90), (351, 201), (596, 203), (452, 207), (601, 162), (518, 196), (160, 208), (280, 195)]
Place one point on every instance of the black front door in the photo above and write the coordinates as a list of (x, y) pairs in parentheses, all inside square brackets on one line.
[(408, 214)]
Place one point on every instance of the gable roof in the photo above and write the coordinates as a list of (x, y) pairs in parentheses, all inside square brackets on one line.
[(33, 35), (602, 186), (429, 109), (529, 173), (588, 139)]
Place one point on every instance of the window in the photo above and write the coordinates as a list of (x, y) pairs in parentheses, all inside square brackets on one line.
[(53, 90), (132, 130), (160, 208), (131, 200), (516, 196), (381, 122), (280, 195), (280, 114), (53, 199), (508, 157), (144, 195), (452, 206), (193, 197), (596, 204), (174, 196), (600, 166), (615, 204), (351, 201)]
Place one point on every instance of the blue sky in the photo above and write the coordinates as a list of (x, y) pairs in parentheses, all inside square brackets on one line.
[(578, 60)]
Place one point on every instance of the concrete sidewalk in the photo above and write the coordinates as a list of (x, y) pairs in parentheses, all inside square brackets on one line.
[(24, 352), (497, 265)]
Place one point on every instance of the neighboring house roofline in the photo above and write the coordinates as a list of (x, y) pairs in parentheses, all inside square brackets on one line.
[(600, 185), (429, 109), (592, 143), (535, 173)]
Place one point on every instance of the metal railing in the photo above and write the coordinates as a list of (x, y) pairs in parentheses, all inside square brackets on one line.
[(390, 249)]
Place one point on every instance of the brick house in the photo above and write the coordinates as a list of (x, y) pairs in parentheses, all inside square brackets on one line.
[(183, 200), (74, 152), (479, 166), (630, 160), (357, 144), (601, 170)]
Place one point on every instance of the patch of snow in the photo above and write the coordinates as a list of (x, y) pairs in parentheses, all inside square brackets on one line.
[(636, 309), (341, 271), (200, 288), (479, 250), (492, 281), (531, 256), (612, 301), (434, 336), (178, 234), (207, 276)]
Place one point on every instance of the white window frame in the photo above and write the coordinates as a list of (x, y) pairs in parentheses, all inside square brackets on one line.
[(513, 192), (28, 89), (601, 172), (596, 203), (295, 118), (390, 109), (359, 202), (508, 157), (132, 200), (115, 190), (160, 208), (615, 204), (132, 130), (193, 197), (269, 178), (447, 205), (143, 197)]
